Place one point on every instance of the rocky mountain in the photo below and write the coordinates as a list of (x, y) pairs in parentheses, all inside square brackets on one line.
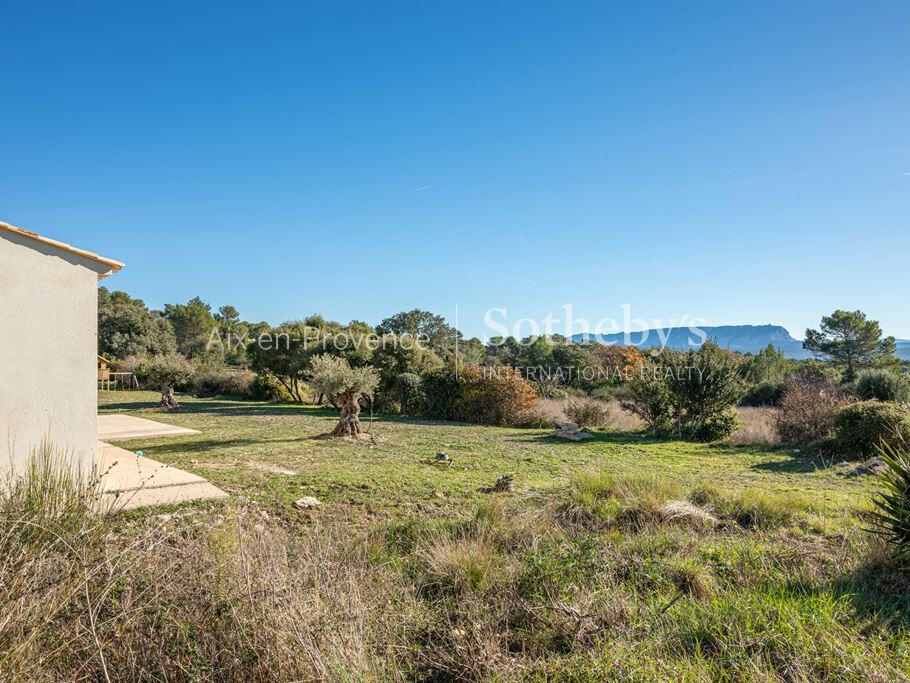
[(742, 338)]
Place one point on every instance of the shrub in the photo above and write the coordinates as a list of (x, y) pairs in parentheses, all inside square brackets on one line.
[(891, 517), (611, 392), (862, 428), (815, 371), (494, 396), (409, 390), (764, 394), (267, 388), (442, 391), (881, 385), (687, 395), (718, 426), (587, 412), (807, 411), (224, 382)]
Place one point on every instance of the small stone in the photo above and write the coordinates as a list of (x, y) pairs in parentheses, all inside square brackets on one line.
[(306, 503), (439, 494), (568, 426), (874, 465)]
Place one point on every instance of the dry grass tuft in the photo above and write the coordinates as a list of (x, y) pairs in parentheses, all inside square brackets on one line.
[(757, 426), (233, 598), (682, 511), (614, 416)]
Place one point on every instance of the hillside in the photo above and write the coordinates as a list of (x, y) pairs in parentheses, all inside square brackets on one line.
[(742, 338)]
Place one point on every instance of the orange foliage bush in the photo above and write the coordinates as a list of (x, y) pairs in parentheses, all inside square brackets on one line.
[(494, 396), (619, 362)]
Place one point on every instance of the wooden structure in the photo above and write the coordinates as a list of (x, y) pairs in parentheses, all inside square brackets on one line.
[(103, 373), (109, 381)]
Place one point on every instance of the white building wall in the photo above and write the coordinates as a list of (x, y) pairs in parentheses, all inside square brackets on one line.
[(48, 351)]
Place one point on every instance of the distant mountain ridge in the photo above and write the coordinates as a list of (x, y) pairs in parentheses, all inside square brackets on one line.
[(741, 338)]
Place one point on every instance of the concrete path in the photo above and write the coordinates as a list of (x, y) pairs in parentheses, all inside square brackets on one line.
[(132, 481), (119, 427)]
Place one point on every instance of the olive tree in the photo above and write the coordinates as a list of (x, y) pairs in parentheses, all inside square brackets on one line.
[(335, 377), (165, 373)]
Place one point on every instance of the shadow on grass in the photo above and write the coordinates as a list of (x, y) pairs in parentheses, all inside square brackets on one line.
[(793, 465), (878, 590), (206, 445), (615, 437), (221, 407)]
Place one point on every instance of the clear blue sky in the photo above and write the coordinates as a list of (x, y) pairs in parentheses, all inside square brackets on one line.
[(739, 163)]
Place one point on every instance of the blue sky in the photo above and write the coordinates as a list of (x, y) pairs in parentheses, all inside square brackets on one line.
[(735, 163)]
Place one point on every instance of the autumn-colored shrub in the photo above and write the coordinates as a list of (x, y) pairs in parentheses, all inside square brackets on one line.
[(618, 362), (807, 411), (494, 396), (490, 395)]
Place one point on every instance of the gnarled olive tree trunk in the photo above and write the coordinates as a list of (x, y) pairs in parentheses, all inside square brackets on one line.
[(349, 422), (168, 400)]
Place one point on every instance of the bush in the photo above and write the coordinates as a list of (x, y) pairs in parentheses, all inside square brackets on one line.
[(862, 428), (224, 382), (442, 392), (409, 387), (611, 392), (719, 426), (807, 411), (881, 385), (687, 395), (587, 412), (814, 371), (494, 396), (267, 388), (764, 394), (556, 393)]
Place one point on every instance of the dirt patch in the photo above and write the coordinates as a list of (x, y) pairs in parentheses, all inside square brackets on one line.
[(272, 469)]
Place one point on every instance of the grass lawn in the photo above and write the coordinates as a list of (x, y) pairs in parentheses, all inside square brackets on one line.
[(583, 573), (274, 454)]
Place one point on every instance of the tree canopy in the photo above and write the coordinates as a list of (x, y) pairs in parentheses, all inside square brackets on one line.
[(193, 323), (429, 328), (849, 339), (126, 327)]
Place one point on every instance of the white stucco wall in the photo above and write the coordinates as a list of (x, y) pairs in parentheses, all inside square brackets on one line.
[(48, 351)]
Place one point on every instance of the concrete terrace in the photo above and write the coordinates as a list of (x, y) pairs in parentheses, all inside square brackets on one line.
[(131, 481)]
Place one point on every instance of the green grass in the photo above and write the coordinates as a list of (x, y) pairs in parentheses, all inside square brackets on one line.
[(579, 574), (240, 441)]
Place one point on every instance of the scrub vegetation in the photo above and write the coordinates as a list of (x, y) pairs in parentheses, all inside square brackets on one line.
[(622, 557)]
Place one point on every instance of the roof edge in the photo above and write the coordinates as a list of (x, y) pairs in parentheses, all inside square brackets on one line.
[(92, 256)]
